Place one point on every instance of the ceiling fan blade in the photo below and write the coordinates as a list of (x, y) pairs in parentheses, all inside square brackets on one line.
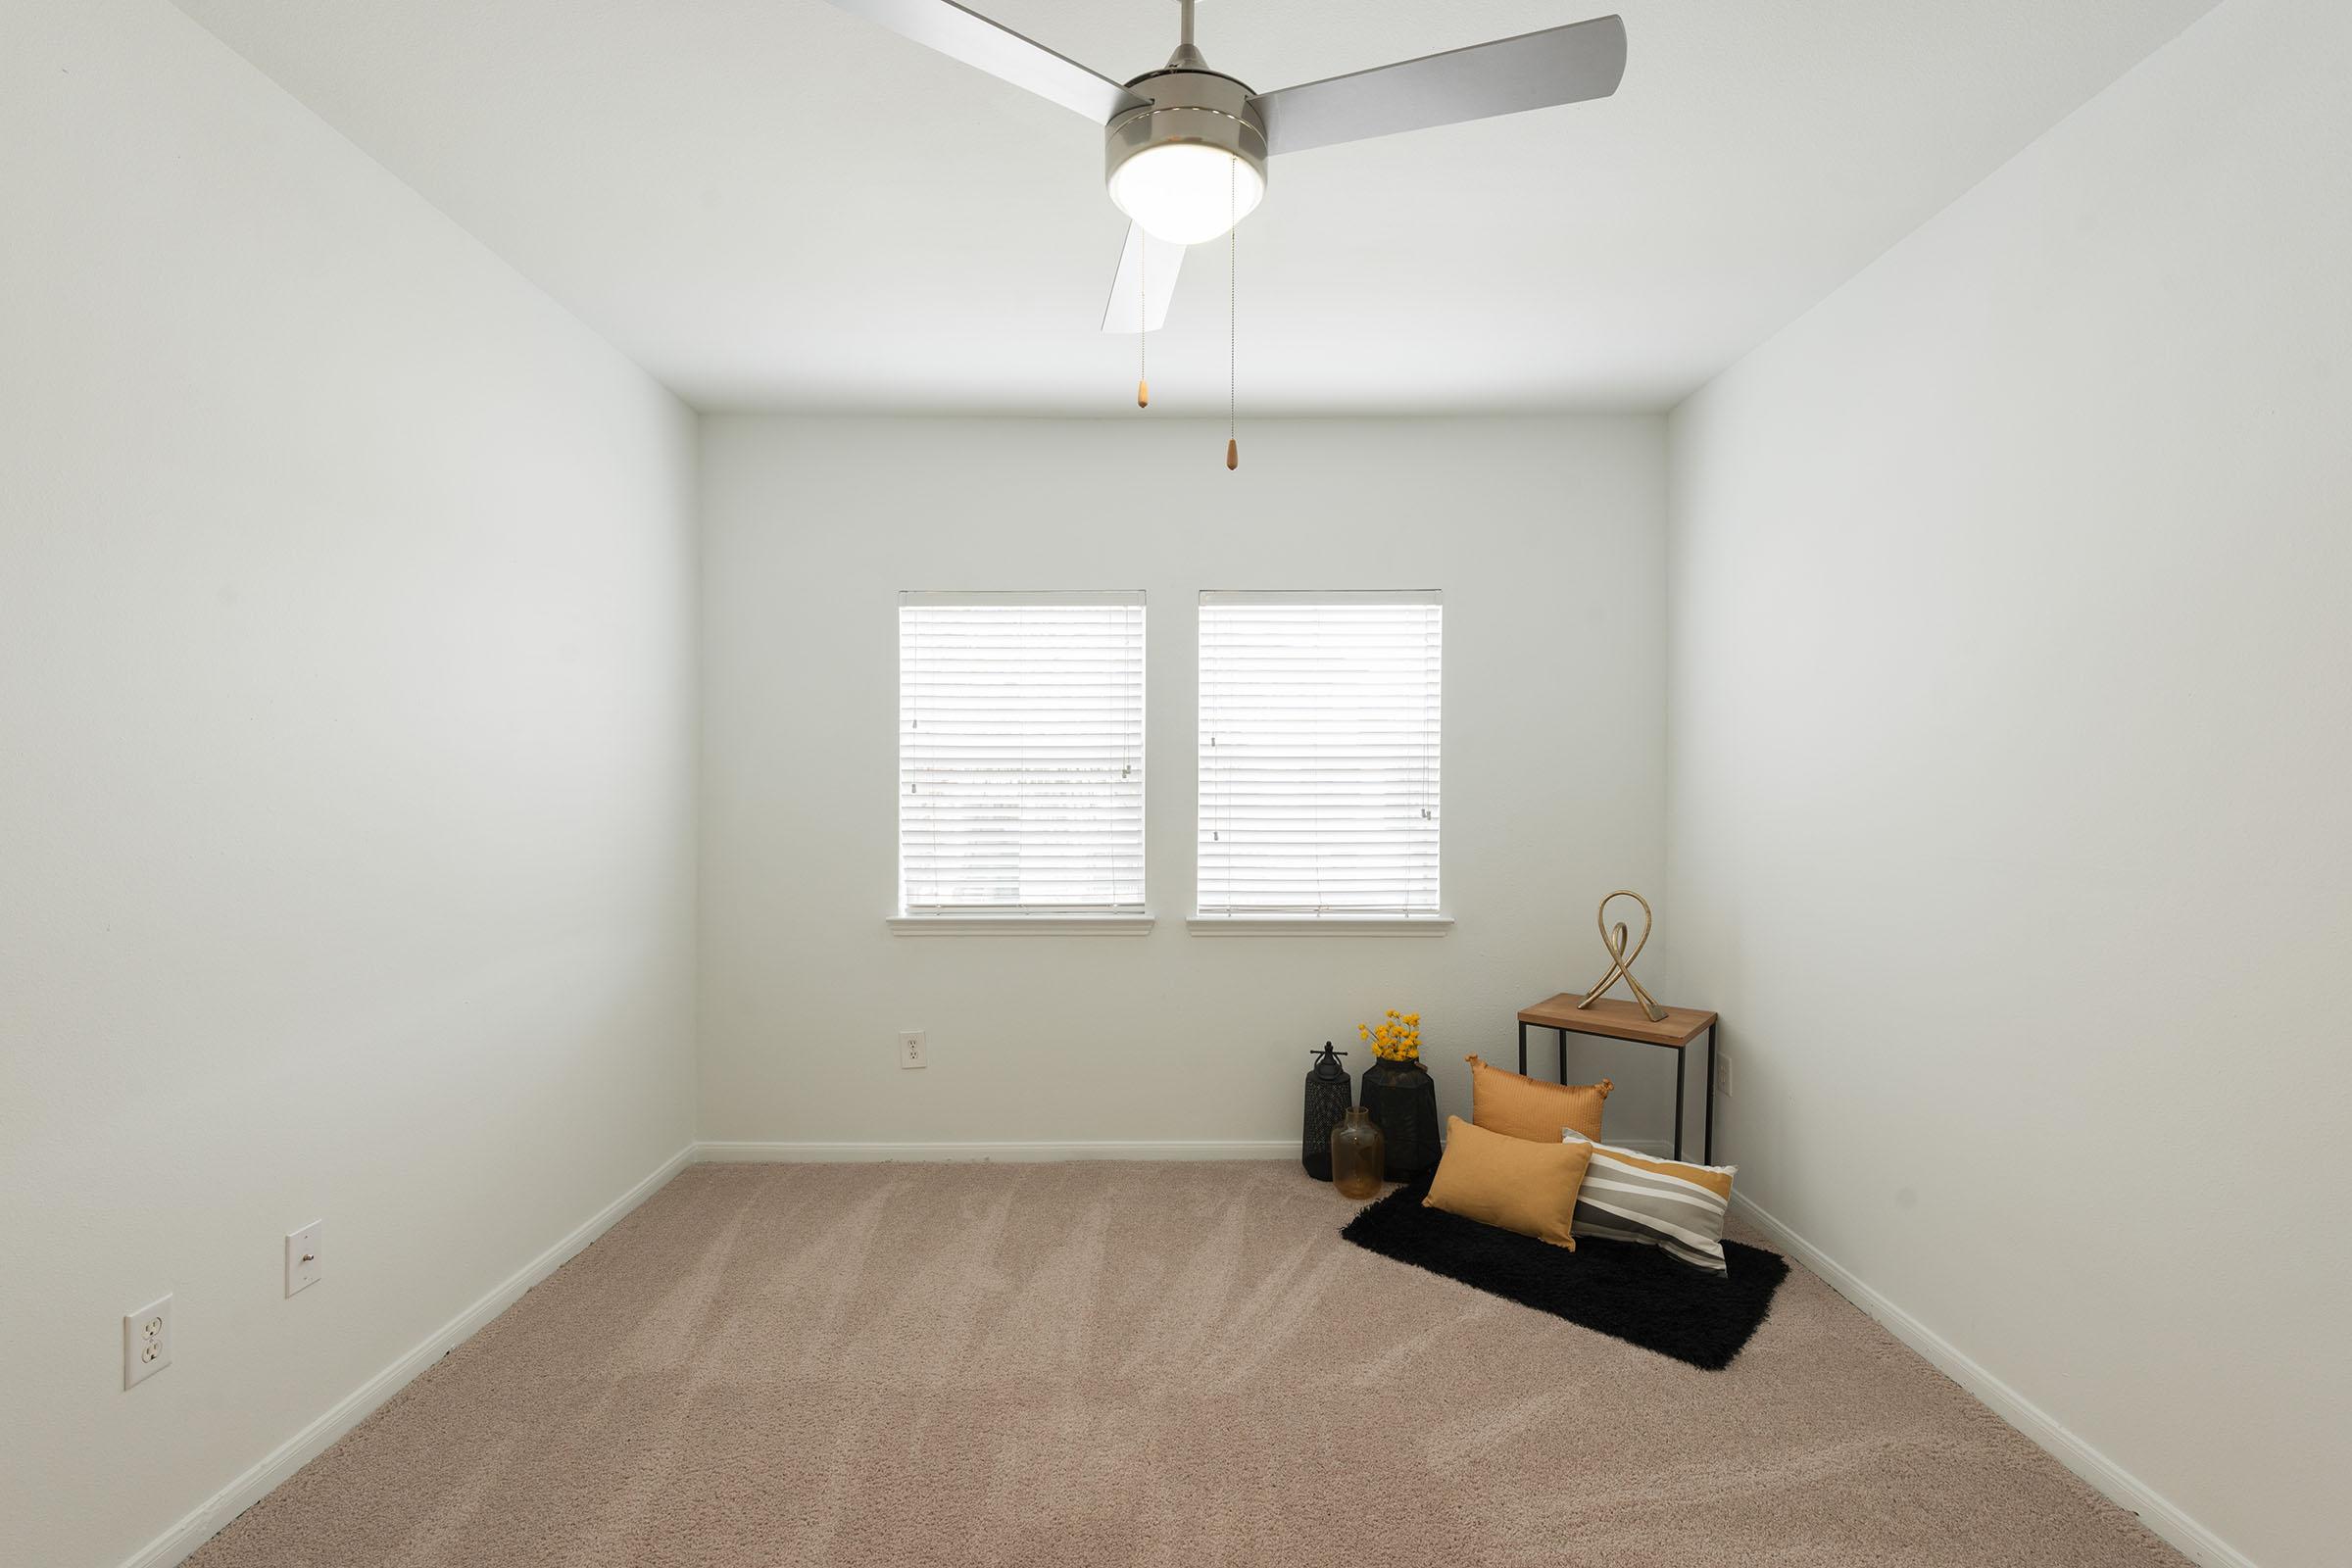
[(1534, 70), (1160, 260), (972, 38)]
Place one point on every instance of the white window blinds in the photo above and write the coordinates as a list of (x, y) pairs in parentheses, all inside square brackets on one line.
[(1319, 753), (1020, 753)]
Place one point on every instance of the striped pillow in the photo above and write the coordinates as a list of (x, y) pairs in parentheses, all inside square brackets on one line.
[(1662, 1203)]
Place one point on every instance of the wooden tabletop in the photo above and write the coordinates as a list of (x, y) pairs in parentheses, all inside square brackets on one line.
[(1619, 1020)]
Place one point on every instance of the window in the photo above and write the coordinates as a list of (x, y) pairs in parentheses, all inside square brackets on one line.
[(1319, 756), (1020, 756)]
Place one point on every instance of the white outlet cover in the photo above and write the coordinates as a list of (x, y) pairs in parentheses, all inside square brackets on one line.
[(303, 1265), (913, 1049), (146, 1341)]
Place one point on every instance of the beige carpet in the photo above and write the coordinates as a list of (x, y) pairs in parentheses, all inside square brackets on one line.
[(1116, 1363)]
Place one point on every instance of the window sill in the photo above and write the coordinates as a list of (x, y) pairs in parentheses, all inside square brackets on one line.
[(1320, 926), (1020, 925)]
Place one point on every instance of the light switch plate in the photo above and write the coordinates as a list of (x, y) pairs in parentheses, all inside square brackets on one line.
[(146, 1341), (303, 1265)]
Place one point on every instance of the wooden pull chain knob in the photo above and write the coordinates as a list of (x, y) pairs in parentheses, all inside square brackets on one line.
[(1232, 453), (1142, 393)]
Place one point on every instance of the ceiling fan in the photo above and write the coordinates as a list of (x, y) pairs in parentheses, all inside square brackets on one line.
[(1185, 147)]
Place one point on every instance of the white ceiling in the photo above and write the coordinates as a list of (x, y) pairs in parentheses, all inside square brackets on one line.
[(774, 203)]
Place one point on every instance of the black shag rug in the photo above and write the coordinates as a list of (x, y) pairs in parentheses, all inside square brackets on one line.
[(1622, 1289)]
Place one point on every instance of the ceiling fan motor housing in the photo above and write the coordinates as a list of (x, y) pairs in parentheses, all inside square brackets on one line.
[(1205, 108)]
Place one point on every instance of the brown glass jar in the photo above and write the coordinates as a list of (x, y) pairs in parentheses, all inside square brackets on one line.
[(1357, 1155)]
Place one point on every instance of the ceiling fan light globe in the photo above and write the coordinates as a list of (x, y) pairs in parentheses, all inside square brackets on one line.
[(1186, 192)]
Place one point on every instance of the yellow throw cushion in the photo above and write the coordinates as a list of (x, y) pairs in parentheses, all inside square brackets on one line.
[(1515, 1182), (1528, 1108)]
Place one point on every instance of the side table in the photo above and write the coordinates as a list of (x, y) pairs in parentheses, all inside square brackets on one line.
[(1624, 1020)]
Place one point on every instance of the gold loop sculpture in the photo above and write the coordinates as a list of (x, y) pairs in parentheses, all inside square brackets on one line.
[(1621, 962)]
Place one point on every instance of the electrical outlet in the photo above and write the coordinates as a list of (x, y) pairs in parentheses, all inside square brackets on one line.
[(146, 1341), (1723, 1073), (910, 1049), (303, 1267)]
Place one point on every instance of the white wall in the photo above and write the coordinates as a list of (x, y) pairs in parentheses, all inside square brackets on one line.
[(2009, 821), (346, 767), (1545, 536)]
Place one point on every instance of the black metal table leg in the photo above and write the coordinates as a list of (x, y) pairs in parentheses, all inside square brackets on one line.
[(1679, 1058), (1708, 1157), (1682, 1078)]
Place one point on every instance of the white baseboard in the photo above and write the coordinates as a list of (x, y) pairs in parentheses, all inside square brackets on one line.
[(755, 1153), (2177, 1529), (208, 1519), (769, 1154), (1655, 1148)]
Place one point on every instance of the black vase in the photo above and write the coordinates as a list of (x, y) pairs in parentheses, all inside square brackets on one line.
[(1329, 1094), (1403, 1101)]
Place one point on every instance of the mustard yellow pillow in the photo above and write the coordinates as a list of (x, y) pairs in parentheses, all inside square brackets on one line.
[(1531, 1108), (1515, 1182)]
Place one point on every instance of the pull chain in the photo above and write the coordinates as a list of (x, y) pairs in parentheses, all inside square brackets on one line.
[(1233, 445), (1143, 313)]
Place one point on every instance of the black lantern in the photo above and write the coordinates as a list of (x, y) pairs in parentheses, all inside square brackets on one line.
[(1329, 1094)]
